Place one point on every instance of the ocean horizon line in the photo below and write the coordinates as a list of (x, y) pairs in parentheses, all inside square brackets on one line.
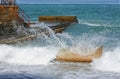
[(63, 4)]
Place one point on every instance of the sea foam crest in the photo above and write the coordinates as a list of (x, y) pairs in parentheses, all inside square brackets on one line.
[(27, 55), (110, 61)]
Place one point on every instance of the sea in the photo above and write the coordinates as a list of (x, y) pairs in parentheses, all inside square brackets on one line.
[(99, 25)]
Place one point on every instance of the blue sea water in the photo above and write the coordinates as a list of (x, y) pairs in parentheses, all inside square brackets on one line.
[(93, 19), (103, 16), (99, 25)]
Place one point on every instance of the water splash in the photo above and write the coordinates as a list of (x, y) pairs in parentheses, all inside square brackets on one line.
[(27, 55), (110, 61), (44, 49), (49, 35)]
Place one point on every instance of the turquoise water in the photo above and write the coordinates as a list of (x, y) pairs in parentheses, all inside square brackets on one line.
[(99, 25), (103, 16), (101, 20)]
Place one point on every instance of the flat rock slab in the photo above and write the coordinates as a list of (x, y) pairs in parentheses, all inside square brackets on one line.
[(67, 55)]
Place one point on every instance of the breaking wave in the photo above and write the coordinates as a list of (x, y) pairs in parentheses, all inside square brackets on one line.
[(27, 55), (95, 24), (44, 54), (110, 61), (48, 48)]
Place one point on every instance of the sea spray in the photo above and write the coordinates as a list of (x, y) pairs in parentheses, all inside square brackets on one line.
[(41, 55), (33, 55), (50, 36), (53, 36), (110, 61), (49, 46), (27, 55)]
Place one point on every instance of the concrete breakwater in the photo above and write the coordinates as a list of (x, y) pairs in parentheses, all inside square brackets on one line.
[(13, 19), (56, 24)]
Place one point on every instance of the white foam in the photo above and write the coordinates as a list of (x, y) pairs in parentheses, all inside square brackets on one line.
[(88, 23), (110, 61), (94, 24), (27, 55), (31, 55), (91, 24)]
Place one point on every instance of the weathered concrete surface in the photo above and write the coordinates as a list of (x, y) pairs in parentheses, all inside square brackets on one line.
[(18, 39), (8, 15), (68, 19), (67, 55), (11, 16), (62, 23)]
